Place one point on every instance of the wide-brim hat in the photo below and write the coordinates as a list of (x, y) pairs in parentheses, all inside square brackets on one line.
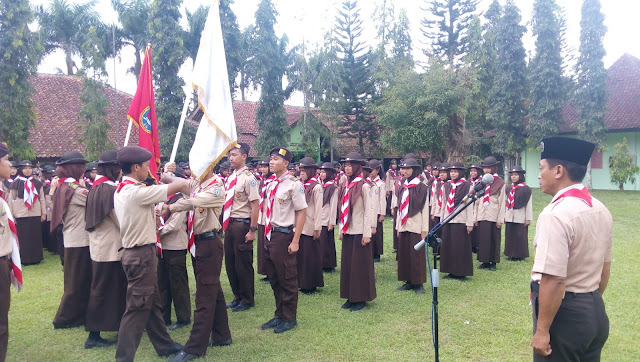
[(394, 162), (435, 166), (264, 161), (308, 162), (457, 166), (336, 164), (108, 158), (475, 165), (25, 163), (72, 157), (517, 168), (444, 166), (567, 149), (327, 166), (14, 163), (225, 165), (354, 157), (489, 161), (92, 166), (410, 162), (374, 164), (48, 169)]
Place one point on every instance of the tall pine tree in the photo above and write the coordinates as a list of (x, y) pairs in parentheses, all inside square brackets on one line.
[(356, 76), (510, 91), (168, 56), (20, 53), (270, 64), (548, 91), (232, 40), (591, 95)]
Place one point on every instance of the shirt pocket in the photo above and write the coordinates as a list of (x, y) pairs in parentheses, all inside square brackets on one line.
[(240, 192), (283, 199)]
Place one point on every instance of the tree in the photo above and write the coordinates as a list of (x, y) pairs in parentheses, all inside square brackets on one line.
[(168, 56), (509, 94), (245, 57), (548, 91), (133, 16), (446, 28), (356, 76), (93, 114), (591, 95), (401, 39), (232, 41), (383, 15), (623, 169), (64, 26), (269, 64), (20, 53)]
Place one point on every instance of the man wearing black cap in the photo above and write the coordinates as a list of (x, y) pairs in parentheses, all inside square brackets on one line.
[(572, 258), (134, 206), (239, 224), (285, 213)]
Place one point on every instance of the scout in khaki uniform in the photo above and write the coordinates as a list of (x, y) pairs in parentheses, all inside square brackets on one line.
[(134, 205), (210, 320), (29, 208), (433, 185), (239, 224), (357, 279), (69, 203), (518, 216), (439, 201), (475, 176), (572, 258), (391, 177), (379, 203), (285, 213), (329, 216), (310, 252), (173, 282), (489, 217), (47, 176), (265, 179), (456, 257), (412, 226), (107, 299)]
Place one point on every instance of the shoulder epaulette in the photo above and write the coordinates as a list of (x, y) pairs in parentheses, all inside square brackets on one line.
[(294, 178), (248, 173), (73, 186)]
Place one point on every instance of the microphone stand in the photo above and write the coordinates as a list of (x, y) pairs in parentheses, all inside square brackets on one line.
[(435, 242)]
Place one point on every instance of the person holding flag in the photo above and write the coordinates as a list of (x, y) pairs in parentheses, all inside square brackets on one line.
[(10, 266)]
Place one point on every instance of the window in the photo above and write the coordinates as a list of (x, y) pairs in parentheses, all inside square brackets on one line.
[(596, 160)]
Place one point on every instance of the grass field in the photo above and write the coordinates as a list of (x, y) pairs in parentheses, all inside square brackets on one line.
[(486, 318)]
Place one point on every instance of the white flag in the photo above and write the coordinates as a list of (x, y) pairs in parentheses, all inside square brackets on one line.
[(217, 130)]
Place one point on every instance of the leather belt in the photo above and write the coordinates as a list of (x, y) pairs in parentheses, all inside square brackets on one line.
[(244, 220), (205, 236), (535, 287), (282, 229)]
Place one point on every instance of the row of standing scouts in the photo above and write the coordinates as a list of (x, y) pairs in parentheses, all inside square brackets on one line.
[(124, 243)]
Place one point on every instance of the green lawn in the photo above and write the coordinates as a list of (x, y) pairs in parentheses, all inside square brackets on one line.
[(486, 318)]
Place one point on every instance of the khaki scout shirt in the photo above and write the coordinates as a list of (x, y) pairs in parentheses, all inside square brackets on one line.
[(288, 199), (330, 210), (173, 234), (465, 217), (418, 223), (19, 209), (313, 220), (5, 231), (390, 180), (519, 216), (381, 193), (494, 211), (360, 219), (246, 190), (135, 209), (206, 201), (573, 241), (74, 227), (104, 240)]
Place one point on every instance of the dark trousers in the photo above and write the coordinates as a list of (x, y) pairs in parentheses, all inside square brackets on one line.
[(260, 250), (210, 317), (77, 288), (173, 284), (238, 261), (140, 264), (282, 270), (5, 302), (578, 331), (489, 240), (395, 230), (45, 234)]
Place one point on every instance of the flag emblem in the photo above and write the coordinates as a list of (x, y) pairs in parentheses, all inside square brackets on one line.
[(145, 120)]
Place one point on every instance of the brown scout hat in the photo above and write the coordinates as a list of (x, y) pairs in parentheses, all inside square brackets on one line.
[(72, 157), (133, 154)]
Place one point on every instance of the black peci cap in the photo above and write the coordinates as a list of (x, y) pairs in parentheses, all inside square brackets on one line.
[(4, 149), (242, 146), (133, 154), (282, 152), (567, 149)]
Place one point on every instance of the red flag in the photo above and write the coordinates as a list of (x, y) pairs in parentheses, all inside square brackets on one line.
[(143, 114)]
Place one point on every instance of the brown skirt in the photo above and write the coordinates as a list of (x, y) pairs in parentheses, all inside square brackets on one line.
[(378, 239), (309, 257), (46, 235), (77, 286), (357, 279), (30, 239), (488, 242), (412, 264), (107, 299), (516, 240), (455, 254), (328, 239), (261, 250), (395, 231)]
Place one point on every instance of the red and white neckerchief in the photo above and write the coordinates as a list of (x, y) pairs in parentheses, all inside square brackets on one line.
[(158, 241), (47, 182), (580, 192), (512, 194), (123, 184), (474, 181), (88, 181), (310, 181), (344, 207), (102, 179), (229, 194), (487, 190), (328, 183), (393, 172), (452, 193), (404, 203), (433, 188), (272, 196), (16, 264), (191, 244), (30, 193), (441, 196), (265, 183), (427, 175)]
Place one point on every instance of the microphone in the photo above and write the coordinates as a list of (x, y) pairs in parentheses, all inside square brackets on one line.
[(487, 179)]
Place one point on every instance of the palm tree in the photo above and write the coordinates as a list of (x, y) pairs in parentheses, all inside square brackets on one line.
[(134, 17), (63, 26)]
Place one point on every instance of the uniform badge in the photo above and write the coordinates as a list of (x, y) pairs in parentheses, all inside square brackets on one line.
[(201, 210), (302, 189), (253, 183), (217, 192), (377, 191), (238, 195), (280, 201)]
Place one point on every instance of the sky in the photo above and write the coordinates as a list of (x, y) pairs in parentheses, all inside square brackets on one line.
[(309, 20)]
